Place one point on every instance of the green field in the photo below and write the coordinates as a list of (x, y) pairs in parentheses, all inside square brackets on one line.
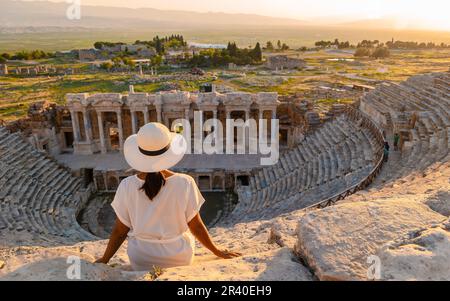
[(17, 92), (295, 37)]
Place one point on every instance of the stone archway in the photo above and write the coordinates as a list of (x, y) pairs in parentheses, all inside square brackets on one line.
[(112, 183)]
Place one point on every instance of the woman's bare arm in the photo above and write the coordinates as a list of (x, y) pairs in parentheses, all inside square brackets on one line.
[(118, 236), (198, 229)]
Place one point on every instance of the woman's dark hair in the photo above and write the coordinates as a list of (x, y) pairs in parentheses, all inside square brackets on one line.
[(154, 181)]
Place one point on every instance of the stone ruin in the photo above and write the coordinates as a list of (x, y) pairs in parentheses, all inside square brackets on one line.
[(100, 123), (91, 114), (281, 62), (42, 70), (326, 211), (3, 69)]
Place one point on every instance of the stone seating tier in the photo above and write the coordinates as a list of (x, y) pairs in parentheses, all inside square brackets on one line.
[(38, 195)]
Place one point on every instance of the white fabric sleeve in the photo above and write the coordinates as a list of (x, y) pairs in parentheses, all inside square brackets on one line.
[(195, 200), (119, 205)]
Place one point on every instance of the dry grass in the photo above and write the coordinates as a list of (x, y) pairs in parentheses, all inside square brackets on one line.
[(16, 93)]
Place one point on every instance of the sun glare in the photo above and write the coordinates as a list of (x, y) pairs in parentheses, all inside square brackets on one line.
[(426, 14), (433, 14)]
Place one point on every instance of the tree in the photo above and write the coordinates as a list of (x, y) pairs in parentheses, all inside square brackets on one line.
[(323, 44), (98, 45), (279, 44), (269, 46), (158, 45), (256, 53), (343, 45), (380, 53), (106, 66), (232, 49), (284, 47), (117, 61), (222, 57), (362, 52), (2, 60), (129, 62), (156, 60)]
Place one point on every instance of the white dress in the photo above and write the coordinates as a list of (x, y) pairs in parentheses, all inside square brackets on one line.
[(159, 233)]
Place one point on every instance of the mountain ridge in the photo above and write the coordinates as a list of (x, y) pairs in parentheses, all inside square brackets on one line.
[(45, 13)]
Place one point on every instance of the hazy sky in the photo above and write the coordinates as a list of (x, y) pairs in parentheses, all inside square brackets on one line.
[(430, 13)]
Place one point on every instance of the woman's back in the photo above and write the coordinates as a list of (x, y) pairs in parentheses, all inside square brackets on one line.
[(165, 217), (157, 213)]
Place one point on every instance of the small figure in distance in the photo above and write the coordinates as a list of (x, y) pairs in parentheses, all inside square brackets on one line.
[(396, 141), (386, 151)]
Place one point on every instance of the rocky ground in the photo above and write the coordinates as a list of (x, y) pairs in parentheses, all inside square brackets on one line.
[(408, 230), (397, 229)]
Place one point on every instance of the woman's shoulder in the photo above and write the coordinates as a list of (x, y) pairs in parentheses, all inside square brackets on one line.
[(131, 180), (182, 178)]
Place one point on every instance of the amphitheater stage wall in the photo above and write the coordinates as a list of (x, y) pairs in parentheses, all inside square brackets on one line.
[(211, 172)]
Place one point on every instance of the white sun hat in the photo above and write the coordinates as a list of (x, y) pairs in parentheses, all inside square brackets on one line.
[(154, 148)]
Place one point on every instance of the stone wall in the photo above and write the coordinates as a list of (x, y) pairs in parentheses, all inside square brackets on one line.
[(125, 114), (280, 62), (3, 69)]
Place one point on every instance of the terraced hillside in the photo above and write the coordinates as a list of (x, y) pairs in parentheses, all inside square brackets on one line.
[(39, 198), (327, 162)]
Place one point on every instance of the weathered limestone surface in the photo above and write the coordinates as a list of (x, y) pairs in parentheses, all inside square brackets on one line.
[(402, 217), (337, 241), (425, 257), (440, 203), (55, 269), (276, 265), (52, 264)]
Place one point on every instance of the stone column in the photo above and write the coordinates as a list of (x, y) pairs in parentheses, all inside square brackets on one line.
[(215, 125), (105, 180), (101, 132), (159, 113), (146, 116), (247, 131), (75, 126), (247, 115), (133, 122), (186, 114), (260, 117), (87, 126), (272, 128), (198, 132), (120, 126), (260, 114), (229, 134)]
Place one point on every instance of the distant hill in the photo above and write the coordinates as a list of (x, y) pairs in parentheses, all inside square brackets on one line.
[(50, 14), (43, 25), (379, 23)]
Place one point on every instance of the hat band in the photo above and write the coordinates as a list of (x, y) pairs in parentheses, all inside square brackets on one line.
[(154, 153)]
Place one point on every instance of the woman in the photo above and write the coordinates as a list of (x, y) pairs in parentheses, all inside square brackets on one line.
[(386, 150), (157, 207)]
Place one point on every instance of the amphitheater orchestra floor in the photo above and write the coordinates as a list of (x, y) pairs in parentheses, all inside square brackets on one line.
[(116, 161)]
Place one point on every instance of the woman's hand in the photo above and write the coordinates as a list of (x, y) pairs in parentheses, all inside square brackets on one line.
[(225, 254), (118, 236), (198, 229)]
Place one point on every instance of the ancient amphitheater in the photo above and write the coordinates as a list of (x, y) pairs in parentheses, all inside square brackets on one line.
[(329, 210)]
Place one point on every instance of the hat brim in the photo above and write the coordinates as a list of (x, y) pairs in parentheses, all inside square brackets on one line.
[(140, 162)]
